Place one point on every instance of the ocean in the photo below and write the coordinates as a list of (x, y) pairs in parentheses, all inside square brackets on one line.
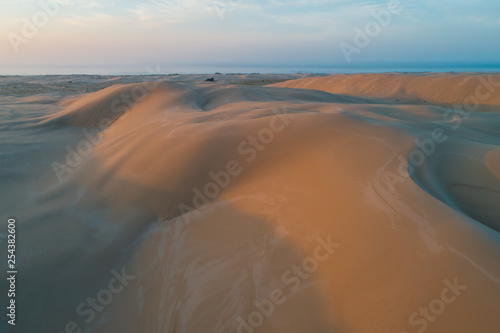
[(243, 69)]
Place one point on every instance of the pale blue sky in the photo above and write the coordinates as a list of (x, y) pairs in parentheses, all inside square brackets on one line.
[(274, 32)]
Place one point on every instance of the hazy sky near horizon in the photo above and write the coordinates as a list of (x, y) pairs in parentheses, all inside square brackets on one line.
[(274, 32)]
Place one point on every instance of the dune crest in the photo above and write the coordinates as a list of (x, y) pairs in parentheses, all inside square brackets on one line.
[(274, 209), (483, 89)]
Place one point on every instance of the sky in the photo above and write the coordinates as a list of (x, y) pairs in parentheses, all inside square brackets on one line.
[(334, 33)]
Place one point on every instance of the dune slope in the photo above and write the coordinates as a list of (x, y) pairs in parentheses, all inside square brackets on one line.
[(313, 205)]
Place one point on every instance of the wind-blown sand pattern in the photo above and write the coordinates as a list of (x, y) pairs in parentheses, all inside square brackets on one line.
[(347, 203)]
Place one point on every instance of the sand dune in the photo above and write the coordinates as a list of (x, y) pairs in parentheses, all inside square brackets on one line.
[(471, 89), (350, 203)]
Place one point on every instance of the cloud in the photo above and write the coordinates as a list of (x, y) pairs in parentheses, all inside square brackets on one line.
[(93, 19), (173, 11)]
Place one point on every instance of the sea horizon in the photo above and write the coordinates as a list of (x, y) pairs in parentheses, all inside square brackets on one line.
[(237, 69)]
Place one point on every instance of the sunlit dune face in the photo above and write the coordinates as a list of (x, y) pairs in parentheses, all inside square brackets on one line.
[(231, 205)]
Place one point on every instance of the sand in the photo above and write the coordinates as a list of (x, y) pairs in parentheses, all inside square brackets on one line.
[(345, 203)]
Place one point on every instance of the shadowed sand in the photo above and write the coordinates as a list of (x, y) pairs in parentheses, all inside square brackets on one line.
[(211, 196)]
